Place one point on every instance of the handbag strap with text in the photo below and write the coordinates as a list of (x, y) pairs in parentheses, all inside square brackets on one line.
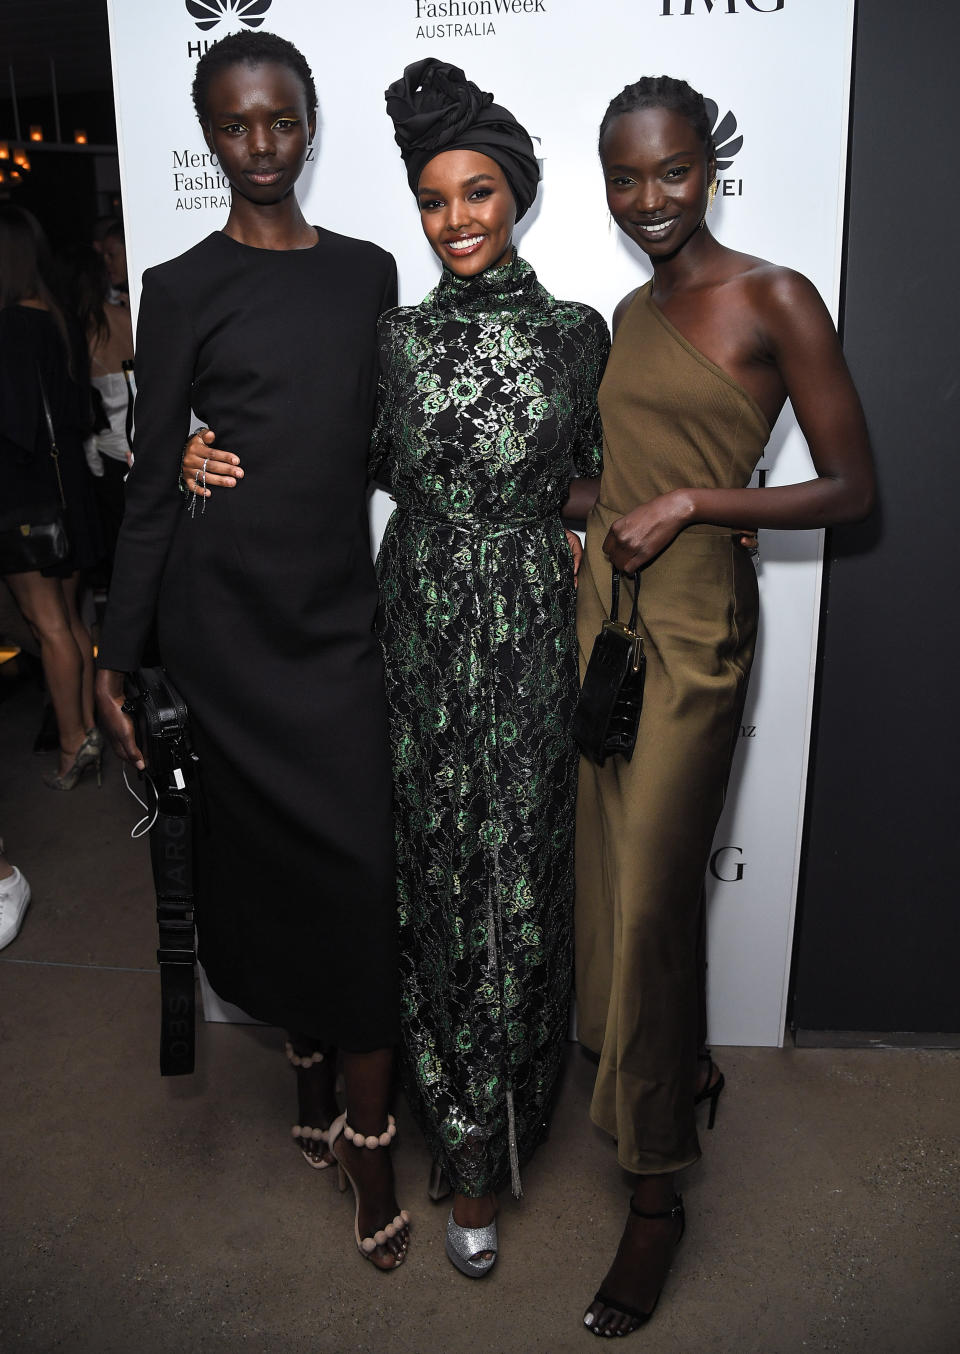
[(171, 849), (161, 716)]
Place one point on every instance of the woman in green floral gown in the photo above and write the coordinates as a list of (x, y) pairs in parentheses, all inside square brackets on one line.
[(488, 410)]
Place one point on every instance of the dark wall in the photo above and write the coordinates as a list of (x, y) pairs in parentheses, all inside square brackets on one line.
[(879, 921)]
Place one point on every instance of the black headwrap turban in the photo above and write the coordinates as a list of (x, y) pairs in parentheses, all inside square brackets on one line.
[(435, 107)]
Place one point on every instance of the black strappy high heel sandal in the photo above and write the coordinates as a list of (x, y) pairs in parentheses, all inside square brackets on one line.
[(640, 1317), (711, 1093)]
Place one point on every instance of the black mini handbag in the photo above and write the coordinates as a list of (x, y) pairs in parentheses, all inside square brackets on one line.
[(608, 712), (159, 713)]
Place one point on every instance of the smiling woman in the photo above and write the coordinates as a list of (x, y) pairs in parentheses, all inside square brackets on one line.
[(467, 211), (703, 359), (488, 409)]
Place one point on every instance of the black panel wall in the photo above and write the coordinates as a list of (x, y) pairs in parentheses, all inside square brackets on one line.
[(879, 917)]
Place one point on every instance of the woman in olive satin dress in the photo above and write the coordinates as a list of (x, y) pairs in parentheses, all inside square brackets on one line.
[(704, 357)]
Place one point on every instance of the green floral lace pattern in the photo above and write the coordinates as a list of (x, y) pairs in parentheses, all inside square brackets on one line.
[(488, 408)]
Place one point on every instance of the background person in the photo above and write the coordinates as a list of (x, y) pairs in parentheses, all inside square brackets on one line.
[(105, 325), (14, 899), (35, 350), (113, 247)]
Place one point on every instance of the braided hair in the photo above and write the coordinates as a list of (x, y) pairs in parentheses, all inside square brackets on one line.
[(662, 91), (250, 49)]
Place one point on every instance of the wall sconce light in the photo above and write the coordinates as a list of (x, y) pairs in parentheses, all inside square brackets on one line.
[(21, 159), (3, 177), (4, 151), (79, 137), (36, 132)]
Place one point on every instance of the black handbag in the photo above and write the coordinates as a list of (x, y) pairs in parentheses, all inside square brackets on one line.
[(611, 697), (159, 714), (33, 545), (42, 543)]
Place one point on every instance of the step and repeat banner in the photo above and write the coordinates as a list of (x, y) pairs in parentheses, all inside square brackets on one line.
[(777, 73)]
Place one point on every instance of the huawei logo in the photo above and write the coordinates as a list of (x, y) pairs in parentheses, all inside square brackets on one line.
[(724, 138), (208, 13)]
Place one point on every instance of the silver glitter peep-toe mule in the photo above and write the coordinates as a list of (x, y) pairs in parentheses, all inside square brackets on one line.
[(466, 1244)]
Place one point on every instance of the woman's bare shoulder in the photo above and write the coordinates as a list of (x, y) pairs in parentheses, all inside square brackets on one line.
[(769, 285)]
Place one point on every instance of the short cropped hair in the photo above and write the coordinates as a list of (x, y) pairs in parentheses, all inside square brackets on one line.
[(250, 49)]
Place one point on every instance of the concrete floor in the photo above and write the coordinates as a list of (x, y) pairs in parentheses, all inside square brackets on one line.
[(139, 1216)]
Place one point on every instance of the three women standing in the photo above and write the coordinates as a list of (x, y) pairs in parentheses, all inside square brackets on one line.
[(483, 400)]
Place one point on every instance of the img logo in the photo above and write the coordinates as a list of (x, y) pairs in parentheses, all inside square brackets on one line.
[(208, 13)]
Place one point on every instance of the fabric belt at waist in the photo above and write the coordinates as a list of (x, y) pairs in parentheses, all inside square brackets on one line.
[(477, 526)]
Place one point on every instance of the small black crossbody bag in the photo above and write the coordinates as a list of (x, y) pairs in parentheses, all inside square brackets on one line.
[(608, 712), (42, 543)]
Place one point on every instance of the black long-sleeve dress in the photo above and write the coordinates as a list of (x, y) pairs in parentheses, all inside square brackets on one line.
[(265, 605)]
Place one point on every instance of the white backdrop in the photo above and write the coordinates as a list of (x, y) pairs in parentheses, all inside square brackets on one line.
[(778, 70)]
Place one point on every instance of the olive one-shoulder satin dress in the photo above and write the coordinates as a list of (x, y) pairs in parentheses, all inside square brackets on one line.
[(645, 827)]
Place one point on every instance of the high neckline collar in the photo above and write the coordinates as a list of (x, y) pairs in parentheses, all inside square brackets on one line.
[(509, 286)]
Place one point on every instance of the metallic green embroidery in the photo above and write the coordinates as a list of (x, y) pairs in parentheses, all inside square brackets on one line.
[(487, 409)]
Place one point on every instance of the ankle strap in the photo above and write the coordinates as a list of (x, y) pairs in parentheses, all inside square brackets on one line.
[(382, 1140), (306, 1060), (675, 1212)]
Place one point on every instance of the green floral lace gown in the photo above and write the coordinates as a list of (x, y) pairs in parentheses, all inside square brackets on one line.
[(488, 409)]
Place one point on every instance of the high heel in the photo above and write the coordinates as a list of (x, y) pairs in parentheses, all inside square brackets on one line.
[(438, 1184), (367, 1245), (711, 1093), (303, 1134), (466, 1244), (89, 753), (614, 1304)]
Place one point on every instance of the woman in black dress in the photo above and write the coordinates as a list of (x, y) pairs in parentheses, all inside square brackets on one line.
[(265, 604), (35, 348)]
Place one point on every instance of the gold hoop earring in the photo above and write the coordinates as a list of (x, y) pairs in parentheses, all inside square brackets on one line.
[(711, 194)]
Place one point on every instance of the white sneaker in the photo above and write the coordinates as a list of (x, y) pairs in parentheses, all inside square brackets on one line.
[(14, 898)]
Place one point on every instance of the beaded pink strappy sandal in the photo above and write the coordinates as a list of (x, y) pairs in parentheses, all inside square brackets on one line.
[(306, 1137), (367, 1245)]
